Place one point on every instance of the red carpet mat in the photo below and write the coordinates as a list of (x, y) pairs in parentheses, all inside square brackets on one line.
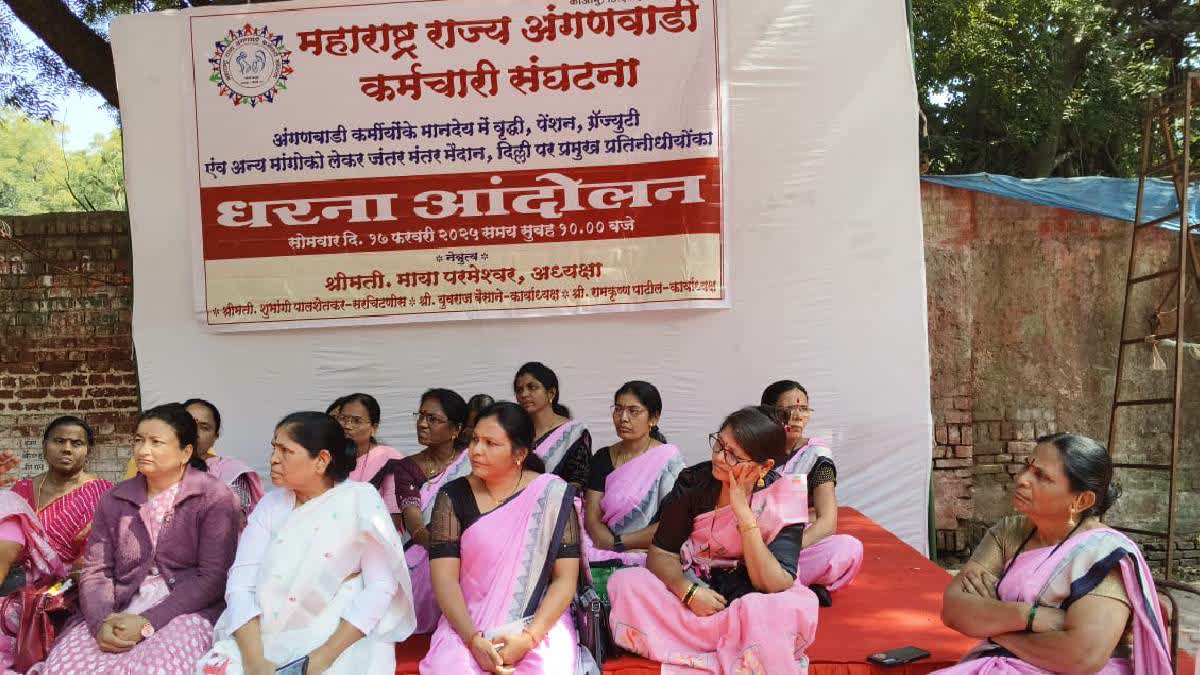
[(895, 602)]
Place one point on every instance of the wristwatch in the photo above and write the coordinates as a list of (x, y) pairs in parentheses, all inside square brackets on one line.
[(618, 545), (147, 630)]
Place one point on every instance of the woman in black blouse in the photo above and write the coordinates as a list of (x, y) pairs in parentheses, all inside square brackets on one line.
[(830, 561), (718, 592), (504, 558), (563, 444)]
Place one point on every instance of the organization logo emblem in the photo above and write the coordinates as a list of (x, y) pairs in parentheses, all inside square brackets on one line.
[(251, 66)]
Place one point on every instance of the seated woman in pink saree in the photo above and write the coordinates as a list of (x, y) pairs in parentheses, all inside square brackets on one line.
[(563, 444), (359, 415), (504, 559), (628, 480), (243, 480), (1054, 590), (416, 481), (718, 593), (828, 561), (45, 520)]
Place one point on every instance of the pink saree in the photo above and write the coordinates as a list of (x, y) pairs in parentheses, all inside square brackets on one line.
[(424, 601), (228, 470), (66, 521), (555, 445), (42, 561), (1057, 579), (834, 561), (757, 634), (505, 568), (368, 465), (632, 494)]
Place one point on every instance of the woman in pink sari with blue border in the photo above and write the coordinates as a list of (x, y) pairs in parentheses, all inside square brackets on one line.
[(564, 445), (718, 593), (1053, 589), (829, 561), (504, 557), (628, 480)]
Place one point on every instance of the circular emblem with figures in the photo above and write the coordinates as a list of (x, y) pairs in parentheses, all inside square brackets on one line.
[(251, 66)]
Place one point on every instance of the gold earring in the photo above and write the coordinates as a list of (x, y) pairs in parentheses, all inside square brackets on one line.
[(761, 481), (1071, 519)]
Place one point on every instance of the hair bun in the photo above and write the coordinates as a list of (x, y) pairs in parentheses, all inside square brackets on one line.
[(1110, 498)]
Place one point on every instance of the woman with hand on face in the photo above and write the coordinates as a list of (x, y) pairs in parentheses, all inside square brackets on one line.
[(629, 479), (718, 592), (504, 557), (156, 561), (320, 574), (828, 561), (564, 445), (1053, 589)]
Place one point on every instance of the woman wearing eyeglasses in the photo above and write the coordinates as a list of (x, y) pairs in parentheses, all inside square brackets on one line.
[(629, 479), (828, 561), (718, 592), (416, 481), (359, 416)]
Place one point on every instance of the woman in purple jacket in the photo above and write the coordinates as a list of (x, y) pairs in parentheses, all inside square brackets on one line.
[(153, 577)]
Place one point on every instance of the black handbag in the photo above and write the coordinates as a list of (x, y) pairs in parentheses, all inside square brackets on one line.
[(590, 613)]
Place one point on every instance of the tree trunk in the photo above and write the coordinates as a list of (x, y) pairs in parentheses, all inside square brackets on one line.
[(1045, 156), (81, 48)]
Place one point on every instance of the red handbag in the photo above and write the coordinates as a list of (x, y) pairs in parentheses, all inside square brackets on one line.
[(37, 613)]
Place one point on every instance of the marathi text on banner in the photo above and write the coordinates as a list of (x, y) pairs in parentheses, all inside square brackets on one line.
[(405, 161)]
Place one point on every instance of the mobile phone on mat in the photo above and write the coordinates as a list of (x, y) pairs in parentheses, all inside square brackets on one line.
[(900, 656), (297, 667)]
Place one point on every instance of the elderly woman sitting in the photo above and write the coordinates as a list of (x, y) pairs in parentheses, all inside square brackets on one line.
[(1054, 590), (320, 579)]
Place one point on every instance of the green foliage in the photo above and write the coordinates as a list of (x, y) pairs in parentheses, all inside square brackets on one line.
[(1045, 87), (37, 175)]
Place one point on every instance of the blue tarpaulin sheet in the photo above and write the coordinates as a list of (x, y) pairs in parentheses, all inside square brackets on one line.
[(1097, 195)]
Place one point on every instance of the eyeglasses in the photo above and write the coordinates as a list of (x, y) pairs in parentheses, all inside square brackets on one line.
[(350, 420), (796, 410), (619, 411), (719, 448), (430, 419)]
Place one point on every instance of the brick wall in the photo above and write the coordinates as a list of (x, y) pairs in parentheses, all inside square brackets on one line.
[(65, 334), (1025, 308)]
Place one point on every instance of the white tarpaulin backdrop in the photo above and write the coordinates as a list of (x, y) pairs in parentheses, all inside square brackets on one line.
[(827, 270)]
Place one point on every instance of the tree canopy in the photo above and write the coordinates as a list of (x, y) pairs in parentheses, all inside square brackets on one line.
[(1045, 87), (38, 175)]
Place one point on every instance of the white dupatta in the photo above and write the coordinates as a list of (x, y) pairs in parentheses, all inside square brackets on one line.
[(309, 576)]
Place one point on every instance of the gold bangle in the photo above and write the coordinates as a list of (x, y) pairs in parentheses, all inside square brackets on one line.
[(691, 592), (743, 528)]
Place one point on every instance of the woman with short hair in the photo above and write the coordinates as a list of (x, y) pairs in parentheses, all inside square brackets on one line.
[(156, 561)]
